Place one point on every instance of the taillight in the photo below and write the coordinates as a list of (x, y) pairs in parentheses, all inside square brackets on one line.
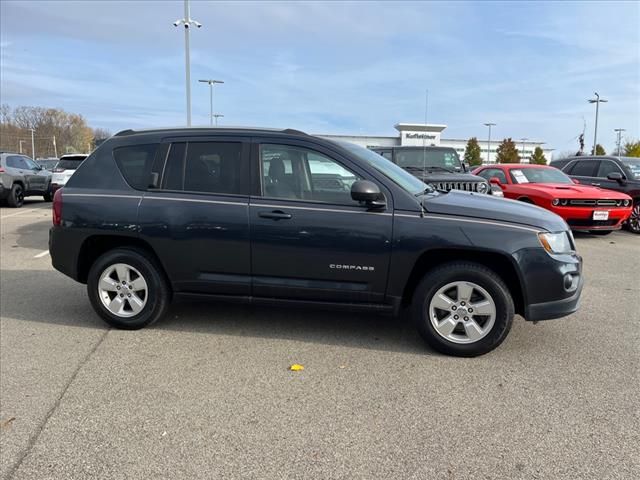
[(1, 170), (57, 207)]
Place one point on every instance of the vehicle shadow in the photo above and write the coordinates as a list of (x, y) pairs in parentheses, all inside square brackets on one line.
[(61, 301), (34, 235)]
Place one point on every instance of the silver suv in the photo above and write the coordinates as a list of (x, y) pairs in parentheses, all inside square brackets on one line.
[(22, 177)]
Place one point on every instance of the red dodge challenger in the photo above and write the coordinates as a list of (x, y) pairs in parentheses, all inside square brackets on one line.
[(583, 207)]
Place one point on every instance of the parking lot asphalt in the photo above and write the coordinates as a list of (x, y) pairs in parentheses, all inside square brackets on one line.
[(206, 393)]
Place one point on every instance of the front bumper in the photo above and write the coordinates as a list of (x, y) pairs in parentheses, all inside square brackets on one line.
[(552, 283), (555, 308), (582, 218)]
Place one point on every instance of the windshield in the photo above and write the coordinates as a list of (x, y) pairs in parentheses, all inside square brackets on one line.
[(632, 164), (539, 175), (403, 178), (426, 157), (48, 164)]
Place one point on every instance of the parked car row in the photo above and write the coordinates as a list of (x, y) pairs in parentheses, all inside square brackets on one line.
[(21, 177)]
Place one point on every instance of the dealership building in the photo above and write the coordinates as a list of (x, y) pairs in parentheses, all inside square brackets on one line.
[(420, 134)]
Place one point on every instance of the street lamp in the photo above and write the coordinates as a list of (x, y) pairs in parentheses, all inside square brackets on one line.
[(619, 131), (523, 140), (33, 147), (217, 116), (21, 142), (597, 101), (187, 22), (211, 83), (489, 140)]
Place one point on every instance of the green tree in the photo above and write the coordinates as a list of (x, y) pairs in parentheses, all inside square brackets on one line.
[(599, 150), (538, 157), (632, 149), (472, 152), (507, 152)]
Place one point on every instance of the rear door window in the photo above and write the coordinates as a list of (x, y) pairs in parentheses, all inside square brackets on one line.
[(135, 163), (583, 168), (206, 167), (16, 161)]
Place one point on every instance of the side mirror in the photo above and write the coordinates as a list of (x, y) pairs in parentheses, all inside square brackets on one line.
[(576, 181), (615, 176), (495, 181), (369, 193)]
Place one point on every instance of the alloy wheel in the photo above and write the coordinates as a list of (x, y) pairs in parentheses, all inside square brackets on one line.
[(462, 312), (123, 290)]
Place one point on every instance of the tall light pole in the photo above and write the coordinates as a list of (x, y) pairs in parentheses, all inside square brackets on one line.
[(21, 142), (211, 83), (597, 101), (619, 132), (523, 140), (33, 145), (187, 22), (217, 116), (489, 140)]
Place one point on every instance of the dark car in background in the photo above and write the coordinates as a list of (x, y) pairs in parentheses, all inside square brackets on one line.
[(282, 217), (48, 163), (22, 177), (613, 173), (439, 167)]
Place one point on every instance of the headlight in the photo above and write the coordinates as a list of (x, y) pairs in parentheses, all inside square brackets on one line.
[(483, 188), (626, 203), (555, 242), (555, 202)]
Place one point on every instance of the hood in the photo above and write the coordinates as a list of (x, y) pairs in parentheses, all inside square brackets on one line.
[(576, 191), (487, 207)]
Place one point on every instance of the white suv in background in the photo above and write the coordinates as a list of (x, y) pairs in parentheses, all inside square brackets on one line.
[(64, 169)]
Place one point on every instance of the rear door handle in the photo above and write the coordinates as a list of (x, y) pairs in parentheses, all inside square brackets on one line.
[(275, 215), (595, 184)]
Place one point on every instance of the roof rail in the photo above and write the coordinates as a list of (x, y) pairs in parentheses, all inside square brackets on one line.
[(293, 131), (122, 133)]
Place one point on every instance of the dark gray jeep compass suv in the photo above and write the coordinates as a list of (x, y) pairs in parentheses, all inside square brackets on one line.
[(269, 216)]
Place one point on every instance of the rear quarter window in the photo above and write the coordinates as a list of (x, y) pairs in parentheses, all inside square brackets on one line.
[(135, 163)]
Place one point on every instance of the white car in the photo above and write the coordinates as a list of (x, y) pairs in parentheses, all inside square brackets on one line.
[(65, 168)]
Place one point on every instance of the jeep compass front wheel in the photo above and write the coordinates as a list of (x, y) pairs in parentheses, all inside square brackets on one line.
[(463, 309), (127, 288)]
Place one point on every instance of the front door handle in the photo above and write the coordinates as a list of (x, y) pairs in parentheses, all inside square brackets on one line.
[(595, 184), (275, 215)]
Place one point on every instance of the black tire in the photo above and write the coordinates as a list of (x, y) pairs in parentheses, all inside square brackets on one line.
[(16, 196), (158, 294), (633, 224), (600, 232), (487, 279)]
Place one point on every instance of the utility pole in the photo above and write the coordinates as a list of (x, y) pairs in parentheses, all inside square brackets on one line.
[(597, 101), (217, 116), (211, 83), (33, 145), (187, 22), (489, 140), (20, 146), (523, 140), (619, 131), (55, 148)]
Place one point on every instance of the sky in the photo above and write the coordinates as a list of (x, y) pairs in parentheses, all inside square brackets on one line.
[(333, 68)]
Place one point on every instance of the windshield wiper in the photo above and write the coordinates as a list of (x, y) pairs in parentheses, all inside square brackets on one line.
[(427, 167)]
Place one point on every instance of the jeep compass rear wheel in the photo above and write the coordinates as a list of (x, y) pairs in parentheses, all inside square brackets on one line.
[(463, 309), (127, 288)]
